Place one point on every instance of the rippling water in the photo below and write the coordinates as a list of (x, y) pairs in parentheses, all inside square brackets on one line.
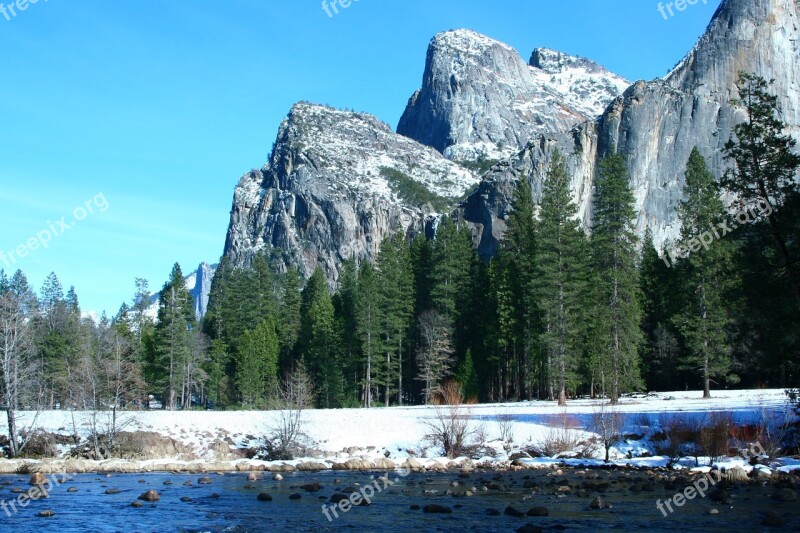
[(237, 509)]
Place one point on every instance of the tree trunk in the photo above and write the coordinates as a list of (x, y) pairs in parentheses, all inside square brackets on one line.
[(13, 444)]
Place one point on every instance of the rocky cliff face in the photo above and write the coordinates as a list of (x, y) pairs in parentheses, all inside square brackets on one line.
[(656, 124), (336, 184), (198, 283), (479, 97)]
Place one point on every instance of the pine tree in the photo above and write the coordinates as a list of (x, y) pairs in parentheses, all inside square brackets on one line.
[(467, 377), (661, 344), (617, 333), (176, 320), (704, 323), (509, 324), (257, 364), (560, 278), (422, 267), (289, 318), (368, 326), (451, 258), (518, 312), (319, 346), (766, 168), (396, 288), (344, 303)]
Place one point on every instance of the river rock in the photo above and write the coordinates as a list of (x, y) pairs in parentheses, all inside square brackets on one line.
[(538, 511), (436, 509), (311, 487), (150, 496), (785, 495), (599, 503), (311, 466), (510, 511), (264, 497), (773, 519), (736, 474), (338, 497)]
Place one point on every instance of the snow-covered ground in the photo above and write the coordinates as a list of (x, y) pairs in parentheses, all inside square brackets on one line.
[(398, 433)]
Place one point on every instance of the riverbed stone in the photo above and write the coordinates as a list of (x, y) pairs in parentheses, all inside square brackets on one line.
[(150, 496), (773, 519), (785, 495), (516, 513), (436, 509), (311, 466), (338, 497), (599, 503), (311, 487)]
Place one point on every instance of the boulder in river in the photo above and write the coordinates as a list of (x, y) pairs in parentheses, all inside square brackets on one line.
[(436, 509), (516, 513), (150, 496), (37, 479), (311, 487), (599, 503)]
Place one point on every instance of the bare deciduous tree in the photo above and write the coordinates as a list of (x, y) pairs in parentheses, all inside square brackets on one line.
[(106, 380), (607, 422), (451, 427), (435, 353), (18, 368), (287, 432)]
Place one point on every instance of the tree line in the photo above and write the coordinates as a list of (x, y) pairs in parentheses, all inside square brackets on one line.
[(562, 311)]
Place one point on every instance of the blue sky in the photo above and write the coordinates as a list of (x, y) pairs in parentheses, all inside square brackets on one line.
[(153, 110)]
